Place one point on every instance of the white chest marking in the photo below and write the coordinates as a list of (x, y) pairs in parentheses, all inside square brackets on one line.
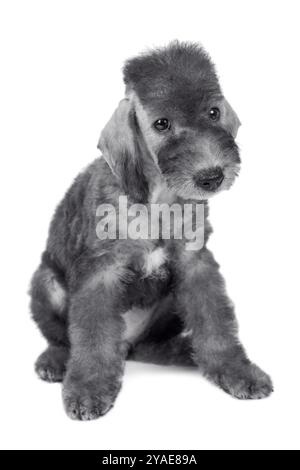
[(154, 260)]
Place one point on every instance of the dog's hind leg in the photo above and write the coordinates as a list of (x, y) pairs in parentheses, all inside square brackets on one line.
[(49, 310)]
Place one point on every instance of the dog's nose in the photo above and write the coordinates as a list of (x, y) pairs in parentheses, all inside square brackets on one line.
[(209, 179)]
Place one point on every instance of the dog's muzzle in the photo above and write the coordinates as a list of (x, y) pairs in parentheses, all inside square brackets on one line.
[(209, 179)]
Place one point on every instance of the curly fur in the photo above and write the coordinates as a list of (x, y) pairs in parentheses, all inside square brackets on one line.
[(100, 302)]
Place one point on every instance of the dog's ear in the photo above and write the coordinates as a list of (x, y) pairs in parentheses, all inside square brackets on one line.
[(229, 119), (120, 146)]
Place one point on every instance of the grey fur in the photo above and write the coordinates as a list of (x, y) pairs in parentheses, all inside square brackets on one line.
[(84, 286)]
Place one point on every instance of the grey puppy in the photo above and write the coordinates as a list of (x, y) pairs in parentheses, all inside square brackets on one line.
[(101, 301)]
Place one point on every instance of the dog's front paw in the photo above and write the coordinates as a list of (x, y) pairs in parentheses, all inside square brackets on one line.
[(246, 383), (86, 407), (86, 401)]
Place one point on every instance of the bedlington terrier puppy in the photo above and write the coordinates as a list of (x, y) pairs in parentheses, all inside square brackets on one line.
[(100, 299)]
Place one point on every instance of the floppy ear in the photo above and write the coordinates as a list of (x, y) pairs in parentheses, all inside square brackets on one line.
[(120, 146), (229, 119)]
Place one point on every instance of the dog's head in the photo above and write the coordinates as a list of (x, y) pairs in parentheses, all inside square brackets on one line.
[(174, 114)]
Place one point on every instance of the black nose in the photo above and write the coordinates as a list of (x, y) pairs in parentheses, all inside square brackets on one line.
[(209, 179)]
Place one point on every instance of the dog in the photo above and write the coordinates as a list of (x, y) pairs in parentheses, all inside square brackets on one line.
[(101, 301)]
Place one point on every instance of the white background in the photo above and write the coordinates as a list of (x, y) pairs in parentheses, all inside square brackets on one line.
[(60, 81)]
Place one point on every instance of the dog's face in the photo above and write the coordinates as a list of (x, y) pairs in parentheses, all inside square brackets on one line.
[(195, 152), (174, 103)]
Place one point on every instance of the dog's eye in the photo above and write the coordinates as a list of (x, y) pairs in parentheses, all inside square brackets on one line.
[(162, 124), (214, 114)]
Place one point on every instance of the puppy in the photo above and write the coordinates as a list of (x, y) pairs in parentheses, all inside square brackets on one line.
[(99, 300)]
